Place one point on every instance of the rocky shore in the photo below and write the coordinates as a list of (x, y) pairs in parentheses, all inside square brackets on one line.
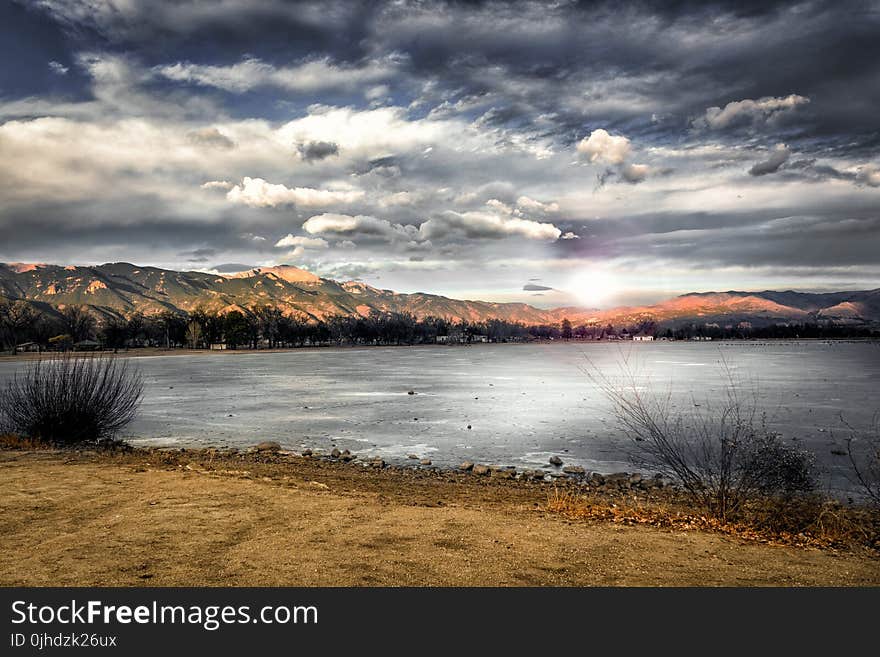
[(558, 473)]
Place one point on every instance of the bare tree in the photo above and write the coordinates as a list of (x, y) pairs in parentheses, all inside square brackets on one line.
[(193, 334), (16, 319), (722, 453), (71, 399), (78, 322), (863, 448)]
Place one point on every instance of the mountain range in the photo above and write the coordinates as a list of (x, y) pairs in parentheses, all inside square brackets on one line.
[(122, 289)]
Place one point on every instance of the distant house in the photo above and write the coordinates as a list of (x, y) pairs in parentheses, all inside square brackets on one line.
[(643, 338), (479, 338), (86, 345), (442, 339), (218, 346), (27, 346)]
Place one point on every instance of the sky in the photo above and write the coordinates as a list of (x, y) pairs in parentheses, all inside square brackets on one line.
[(590, 153)]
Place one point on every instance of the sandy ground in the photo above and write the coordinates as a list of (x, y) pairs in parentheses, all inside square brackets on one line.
[(139, 519)]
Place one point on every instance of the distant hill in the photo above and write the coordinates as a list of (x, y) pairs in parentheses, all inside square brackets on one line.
[(121, 289)]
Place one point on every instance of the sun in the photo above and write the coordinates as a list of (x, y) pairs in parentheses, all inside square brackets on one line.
[(594, 288)]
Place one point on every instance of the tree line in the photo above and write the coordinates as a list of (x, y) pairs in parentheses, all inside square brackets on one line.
[(269, 326)]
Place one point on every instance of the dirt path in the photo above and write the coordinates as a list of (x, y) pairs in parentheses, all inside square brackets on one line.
[(68, 519)]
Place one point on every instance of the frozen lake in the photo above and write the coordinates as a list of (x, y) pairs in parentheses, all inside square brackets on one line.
[(523, 403)]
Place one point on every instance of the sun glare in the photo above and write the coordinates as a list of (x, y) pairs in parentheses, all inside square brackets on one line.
[(594, 288)]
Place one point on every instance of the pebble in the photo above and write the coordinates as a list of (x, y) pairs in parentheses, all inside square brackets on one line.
[(467, 466), (555, 460)]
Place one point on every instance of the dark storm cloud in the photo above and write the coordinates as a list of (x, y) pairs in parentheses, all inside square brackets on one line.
[(580, 64), (317, 150)]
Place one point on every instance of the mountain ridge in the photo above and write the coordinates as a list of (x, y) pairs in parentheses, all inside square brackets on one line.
[(122, 289)]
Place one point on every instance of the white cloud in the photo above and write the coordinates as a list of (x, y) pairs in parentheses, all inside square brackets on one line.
[(531, 205), (251, 72), (603, 147), (257, 193), (304, 242), (58, 68), (570, 236), (397, 199), (749, 111), (634, 173), (344, 224), (614, 150), (487, 225), (217, 184), (869, 175)]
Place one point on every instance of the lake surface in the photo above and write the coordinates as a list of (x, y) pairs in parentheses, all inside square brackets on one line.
[(523, 403)]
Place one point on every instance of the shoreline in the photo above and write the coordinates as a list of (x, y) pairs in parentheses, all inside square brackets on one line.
[(159, 517), (158, 352)]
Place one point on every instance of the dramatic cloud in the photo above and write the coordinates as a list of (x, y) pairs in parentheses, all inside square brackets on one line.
[(258, 193), (749, 111), (442, 145), (778, 156), (531, 287)]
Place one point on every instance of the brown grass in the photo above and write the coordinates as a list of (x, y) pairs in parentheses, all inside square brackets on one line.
[(810, 522), (80, 517)]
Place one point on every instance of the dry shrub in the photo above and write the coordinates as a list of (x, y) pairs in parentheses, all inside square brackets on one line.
[(14, 441), (863, 449), (72, 399), (721, 452)]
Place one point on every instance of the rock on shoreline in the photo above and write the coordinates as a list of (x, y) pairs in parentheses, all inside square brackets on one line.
[(576, 474)]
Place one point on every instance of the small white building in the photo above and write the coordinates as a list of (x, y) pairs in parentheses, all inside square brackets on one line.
[(643, 338)]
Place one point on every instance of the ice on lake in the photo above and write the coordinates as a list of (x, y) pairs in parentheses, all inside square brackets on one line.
[(522, 402)]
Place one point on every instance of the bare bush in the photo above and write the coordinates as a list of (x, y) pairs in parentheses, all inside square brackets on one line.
[(721, 453), (863, 448), (71, 399)]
